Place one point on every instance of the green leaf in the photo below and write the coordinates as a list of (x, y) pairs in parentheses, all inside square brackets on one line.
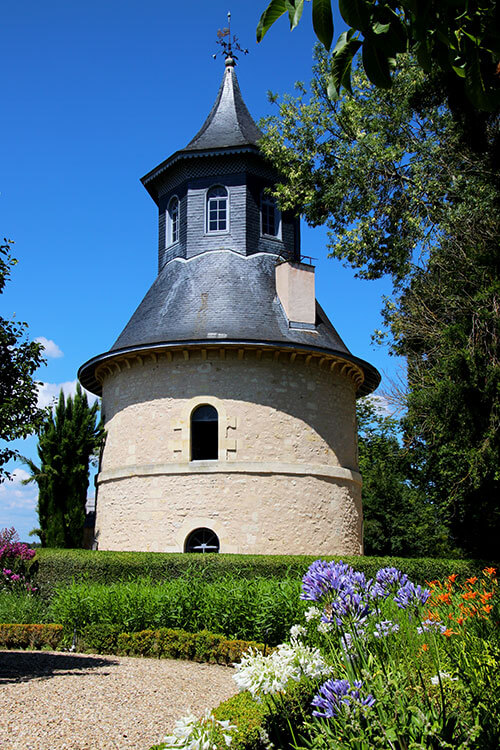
[(274, 10), (323, 21), (356, 13), (295, 8), (377, 65), (380, 28), (342, 57)]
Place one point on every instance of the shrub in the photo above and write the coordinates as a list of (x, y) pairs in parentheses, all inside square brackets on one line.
[(63, 566), (23, 607), (30, 636)]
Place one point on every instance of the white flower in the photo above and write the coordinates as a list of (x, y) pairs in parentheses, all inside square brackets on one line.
[(313, 613), (296, 631), (269, 674), (191, 733), (443, 676), (324, 627)]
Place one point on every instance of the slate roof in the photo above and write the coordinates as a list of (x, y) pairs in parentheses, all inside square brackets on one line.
[(229, 123), (221, 297), (228, 128)]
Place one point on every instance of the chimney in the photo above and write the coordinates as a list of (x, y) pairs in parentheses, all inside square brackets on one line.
[(295, 289)]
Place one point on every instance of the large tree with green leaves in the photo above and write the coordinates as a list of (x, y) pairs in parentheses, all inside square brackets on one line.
[(19, 359), (68, 439), (399, 517), (403, 193), (459, 38)]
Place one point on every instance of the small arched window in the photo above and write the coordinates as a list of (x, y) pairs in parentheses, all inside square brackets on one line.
[(217, 209), (172, 228), (270, 216), (204, 434), (202, 540)]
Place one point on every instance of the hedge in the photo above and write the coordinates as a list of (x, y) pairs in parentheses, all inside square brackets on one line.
[(53, 566), (30, 636), (165, 643)]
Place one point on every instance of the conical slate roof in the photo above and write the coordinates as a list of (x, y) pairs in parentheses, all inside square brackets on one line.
[(228, 127), (229, 123)]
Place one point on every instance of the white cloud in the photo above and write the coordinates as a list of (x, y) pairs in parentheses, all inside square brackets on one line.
[(50, 348), (48, 393), (381, 404), (15, 495)]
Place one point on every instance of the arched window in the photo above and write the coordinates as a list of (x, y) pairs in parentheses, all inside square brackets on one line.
[(204, 434), (217, 209), (202, 540), (172, 228), (270, 216)]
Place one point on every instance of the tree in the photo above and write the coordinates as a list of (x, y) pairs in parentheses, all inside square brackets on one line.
[(398, 517), (19, 359), (402, 192), (461, 39), (67, 441)]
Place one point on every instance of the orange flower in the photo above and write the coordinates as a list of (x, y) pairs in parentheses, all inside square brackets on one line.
[(469, 595), (471, 580), (433, 615), (453, 577), (445, 598), (487, 608), (487, 595), (489, 571), (448, 632), (425, 647), (460, 620)]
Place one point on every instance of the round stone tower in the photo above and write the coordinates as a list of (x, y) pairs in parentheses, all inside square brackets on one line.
[(229, 397)]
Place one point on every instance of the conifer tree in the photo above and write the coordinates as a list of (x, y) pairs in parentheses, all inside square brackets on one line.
[(67, 440)]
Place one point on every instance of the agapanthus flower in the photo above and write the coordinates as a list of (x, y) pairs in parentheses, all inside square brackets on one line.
[(410, 595), (384, 628), (431, 625), (191, 733), (339, 695), (261, 674)]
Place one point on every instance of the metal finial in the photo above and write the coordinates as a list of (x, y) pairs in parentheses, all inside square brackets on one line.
[(227, 44)]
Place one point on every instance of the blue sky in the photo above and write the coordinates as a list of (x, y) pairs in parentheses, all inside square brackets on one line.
[(95, 95)]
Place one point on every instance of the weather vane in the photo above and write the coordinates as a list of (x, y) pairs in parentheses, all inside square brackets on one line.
[(224, 39)]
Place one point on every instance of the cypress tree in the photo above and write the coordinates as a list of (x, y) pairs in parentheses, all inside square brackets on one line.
[(67, 440)]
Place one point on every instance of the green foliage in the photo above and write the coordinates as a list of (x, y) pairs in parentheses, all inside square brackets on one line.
[(460, 39), (398, 519), (56, 567), (30, 636), (407, 191), (19, 359), (23, 608), (257, 609), (67, 441)]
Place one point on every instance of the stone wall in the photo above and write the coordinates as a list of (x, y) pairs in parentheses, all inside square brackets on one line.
[(286, 479)]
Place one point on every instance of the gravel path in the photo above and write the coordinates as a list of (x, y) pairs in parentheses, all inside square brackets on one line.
[(58, 701)]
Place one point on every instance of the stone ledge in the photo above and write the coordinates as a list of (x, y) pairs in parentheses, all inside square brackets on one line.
[(231, 467)]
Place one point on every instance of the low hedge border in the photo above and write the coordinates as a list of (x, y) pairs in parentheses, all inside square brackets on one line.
[(30, 636), (62, 566), (165, 643)]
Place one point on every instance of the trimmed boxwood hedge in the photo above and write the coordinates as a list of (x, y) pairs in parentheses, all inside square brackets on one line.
[(60, 566), (30, 636)]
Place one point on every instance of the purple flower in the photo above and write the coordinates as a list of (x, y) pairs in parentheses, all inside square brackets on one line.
[(7, 572), (337, 695), (410, 595), (384, 627)]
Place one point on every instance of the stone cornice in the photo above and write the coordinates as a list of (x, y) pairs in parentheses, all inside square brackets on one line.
[(220, 349), (230, 467)]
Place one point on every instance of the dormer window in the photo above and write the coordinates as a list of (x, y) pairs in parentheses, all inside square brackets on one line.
[(172, 228), (217, 209), (270, 216)]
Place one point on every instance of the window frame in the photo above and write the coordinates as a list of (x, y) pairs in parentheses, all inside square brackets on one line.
[(208, 200), (270, 201), (169, 222), (215, 445)]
